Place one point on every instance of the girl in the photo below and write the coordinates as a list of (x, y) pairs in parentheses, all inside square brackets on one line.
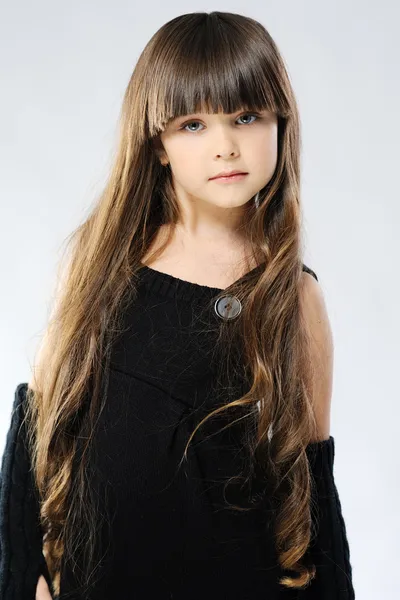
[(177, 420)]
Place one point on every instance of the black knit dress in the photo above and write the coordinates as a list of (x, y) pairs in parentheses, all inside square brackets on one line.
[(171, 532)]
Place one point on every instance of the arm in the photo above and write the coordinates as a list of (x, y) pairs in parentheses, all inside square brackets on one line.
[(42, 590), (329, 549), (316, 317)]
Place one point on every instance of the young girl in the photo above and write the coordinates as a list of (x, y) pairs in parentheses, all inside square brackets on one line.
[(174, 441)]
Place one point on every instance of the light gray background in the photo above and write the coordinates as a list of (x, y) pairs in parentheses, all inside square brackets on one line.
[(64, 69)]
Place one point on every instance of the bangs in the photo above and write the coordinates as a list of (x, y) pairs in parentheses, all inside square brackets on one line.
[(212, 68)]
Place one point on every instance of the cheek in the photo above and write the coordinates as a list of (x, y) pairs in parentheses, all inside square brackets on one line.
[(273, 145), (264, 157), (272, 153), (185, 160), (270, 140)]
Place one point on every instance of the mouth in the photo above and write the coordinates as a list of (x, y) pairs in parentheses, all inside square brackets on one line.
[(233, 177), (228, 173)]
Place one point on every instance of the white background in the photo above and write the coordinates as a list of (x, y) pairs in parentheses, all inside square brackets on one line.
[(64, 69)]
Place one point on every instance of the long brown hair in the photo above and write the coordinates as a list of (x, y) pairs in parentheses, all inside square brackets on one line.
[(198, 61)]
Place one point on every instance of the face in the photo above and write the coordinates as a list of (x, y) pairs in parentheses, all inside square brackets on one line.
[(201, 145)]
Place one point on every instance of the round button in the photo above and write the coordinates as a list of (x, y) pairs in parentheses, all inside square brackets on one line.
[(228, 307)]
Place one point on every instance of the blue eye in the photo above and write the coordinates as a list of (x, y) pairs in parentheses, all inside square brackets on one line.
[(187, 125), (248, 115), (241, 117)]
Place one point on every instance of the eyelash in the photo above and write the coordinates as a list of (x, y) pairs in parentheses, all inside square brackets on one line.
[(257, 117)]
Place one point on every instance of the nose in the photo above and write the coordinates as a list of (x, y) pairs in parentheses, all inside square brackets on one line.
[(225, 141)]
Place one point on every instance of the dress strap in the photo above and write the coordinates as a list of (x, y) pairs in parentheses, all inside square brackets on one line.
[(310, 271)]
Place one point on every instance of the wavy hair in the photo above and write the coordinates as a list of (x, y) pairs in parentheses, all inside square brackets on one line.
[(198, 61)]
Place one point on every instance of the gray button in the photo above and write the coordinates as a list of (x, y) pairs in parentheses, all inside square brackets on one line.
[(228, 306)]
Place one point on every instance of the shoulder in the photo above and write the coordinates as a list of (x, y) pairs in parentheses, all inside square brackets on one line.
[(14, 435), (311, 295), (312, 298)]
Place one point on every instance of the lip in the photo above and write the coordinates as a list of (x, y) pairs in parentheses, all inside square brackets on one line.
[(230, 180), (226, 174)]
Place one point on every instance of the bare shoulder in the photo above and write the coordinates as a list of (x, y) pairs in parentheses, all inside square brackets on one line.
[(316, 318), (312, 298)]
